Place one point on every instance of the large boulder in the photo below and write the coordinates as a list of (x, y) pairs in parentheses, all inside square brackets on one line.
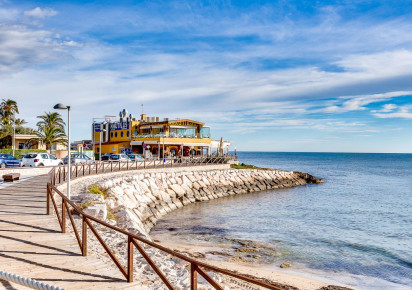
[(98, 211), (91, 197), (178, 189)]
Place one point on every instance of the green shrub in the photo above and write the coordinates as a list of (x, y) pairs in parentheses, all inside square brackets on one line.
[(19, 153), (111, 215), (246, 166), (86, 204), (95, 189)]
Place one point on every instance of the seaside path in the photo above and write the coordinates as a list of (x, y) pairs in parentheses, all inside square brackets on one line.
[(32, 245)]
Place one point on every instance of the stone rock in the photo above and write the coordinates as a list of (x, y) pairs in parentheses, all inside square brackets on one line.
[(98, 211), (91, 197), (178, 189), (286, 265)]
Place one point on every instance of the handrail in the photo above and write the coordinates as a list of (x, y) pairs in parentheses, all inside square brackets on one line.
[(133, 240)]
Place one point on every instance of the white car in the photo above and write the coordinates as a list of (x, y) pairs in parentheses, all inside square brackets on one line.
[(40, 159)]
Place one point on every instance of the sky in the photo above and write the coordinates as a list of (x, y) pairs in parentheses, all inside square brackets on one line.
[(308, 76)]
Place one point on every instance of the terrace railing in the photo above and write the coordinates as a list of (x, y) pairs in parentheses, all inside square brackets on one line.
[(58, 175)]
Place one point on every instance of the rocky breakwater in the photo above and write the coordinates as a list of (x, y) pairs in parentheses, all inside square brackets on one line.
[(136, 201)]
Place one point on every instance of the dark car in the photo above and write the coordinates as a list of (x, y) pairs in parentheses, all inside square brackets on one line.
[(7, 160), (106, 156)]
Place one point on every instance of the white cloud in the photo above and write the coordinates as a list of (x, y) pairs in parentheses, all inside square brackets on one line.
[(21, 47), (40, 13), (404, 112), (359, 103)]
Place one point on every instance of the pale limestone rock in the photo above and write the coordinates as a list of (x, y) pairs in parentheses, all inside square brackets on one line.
[(91, 197), (178, 189), (98, 211), (196, 185)]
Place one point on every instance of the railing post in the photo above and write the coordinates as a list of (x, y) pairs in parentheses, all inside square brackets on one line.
[(60, 174), (64, 173), (84, 237), (103, 167), (127, 166), (193, 276), (83, 169), (48, 199), (111, 166), (77, 170), (90, 168), (144, 163), (96, 167), (129, 259), (119, 164), (63, 217)]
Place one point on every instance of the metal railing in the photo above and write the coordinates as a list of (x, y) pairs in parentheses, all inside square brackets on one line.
[(58, 175)]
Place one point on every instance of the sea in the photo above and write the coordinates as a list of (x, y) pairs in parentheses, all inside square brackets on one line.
[(355, 228)]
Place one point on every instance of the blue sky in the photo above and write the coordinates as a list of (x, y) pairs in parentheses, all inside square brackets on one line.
[(268, 75)]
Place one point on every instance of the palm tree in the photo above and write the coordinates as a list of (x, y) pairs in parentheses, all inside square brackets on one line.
[(51, 120), (19, 122), (8, 108), (50, 136), (50, 130)]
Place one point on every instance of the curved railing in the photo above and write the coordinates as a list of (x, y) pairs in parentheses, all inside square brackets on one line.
[(58, 175)]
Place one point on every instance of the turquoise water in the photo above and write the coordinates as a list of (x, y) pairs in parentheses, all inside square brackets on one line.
[(359, 222)]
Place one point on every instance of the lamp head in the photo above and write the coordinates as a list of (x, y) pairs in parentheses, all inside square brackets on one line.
[(60, 106)]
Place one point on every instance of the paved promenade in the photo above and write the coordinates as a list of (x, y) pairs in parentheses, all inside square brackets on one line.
[(31, 244)]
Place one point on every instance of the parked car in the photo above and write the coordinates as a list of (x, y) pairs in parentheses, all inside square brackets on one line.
[(78, 158), (40, 159), (119, 157), (106, 156), (135, 157), (7, 160)]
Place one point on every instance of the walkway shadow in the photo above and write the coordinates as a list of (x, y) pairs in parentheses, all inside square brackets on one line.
[(30, 226), (41, 246), (103, 277)]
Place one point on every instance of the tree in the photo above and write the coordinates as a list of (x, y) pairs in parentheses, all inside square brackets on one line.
[(19, 122), (50, 130), (51, 120), (8, 108)]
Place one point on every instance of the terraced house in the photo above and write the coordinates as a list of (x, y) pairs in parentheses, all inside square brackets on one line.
[(151, 136)]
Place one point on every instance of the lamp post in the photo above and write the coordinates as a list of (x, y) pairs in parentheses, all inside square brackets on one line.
[(100, 140), (60, 106), (14, 133)]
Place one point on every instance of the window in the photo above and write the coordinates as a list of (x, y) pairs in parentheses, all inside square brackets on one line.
[(115, 134), (121, 134), (111, 134), (128, 134), (44, 156), (52, 157)]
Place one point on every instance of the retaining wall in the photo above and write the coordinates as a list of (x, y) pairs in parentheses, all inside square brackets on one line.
[(137, 199)]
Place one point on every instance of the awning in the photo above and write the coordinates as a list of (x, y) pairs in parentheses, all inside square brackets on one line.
[(139, 143)]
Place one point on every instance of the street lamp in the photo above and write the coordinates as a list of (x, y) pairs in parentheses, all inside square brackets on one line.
[(100, 140), (14, 133), (60, 106)]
